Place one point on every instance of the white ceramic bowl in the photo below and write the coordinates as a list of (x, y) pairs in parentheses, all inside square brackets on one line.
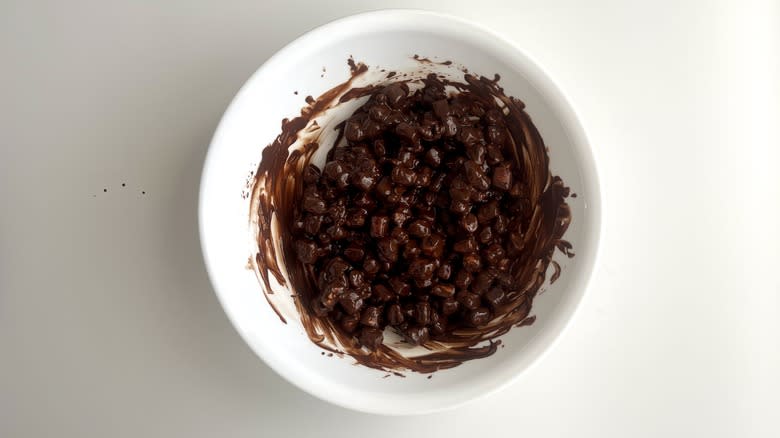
[(388, 39)]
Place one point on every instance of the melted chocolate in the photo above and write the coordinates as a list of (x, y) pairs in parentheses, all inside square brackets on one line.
[(278, 190)]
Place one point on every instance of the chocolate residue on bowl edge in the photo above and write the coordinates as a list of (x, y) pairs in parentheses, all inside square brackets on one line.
[(276, 199)]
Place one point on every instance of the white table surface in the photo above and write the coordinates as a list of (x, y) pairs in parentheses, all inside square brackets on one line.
[(109, 326)]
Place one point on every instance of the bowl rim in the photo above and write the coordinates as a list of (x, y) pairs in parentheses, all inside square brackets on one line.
[(571, 120)]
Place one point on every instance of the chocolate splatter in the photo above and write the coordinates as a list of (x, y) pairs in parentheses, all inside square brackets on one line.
[(420, 59)]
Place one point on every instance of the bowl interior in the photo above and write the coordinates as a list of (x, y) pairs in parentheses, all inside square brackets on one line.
[(315, 63)]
